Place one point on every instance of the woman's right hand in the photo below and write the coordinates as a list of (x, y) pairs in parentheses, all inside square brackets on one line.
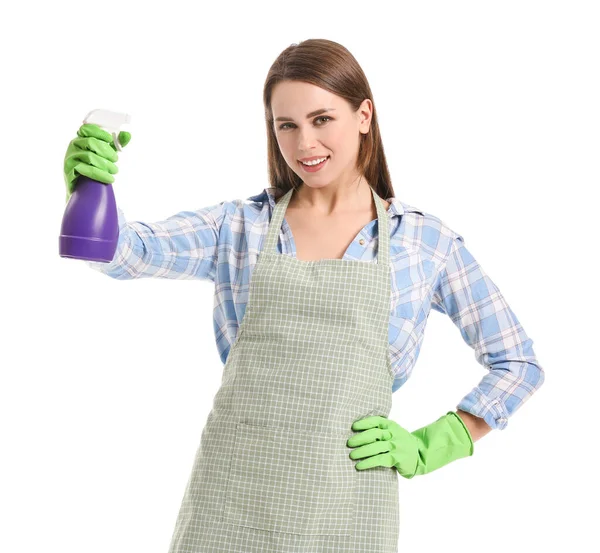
[(92, 154)]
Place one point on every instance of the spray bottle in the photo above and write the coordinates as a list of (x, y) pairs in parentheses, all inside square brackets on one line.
[(90, 226)]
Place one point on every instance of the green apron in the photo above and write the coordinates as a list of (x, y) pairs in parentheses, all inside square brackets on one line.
[(272, 473)]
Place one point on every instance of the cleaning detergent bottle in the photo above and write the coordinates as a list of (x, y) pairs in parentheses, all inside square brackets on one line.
[(90, 225)]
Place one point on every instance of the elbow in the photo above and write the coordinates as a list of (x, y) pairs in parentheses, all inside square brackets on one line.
[(541, 376)]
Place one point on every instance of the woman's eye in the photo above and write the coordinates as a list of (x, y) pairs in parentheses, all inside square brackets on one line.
[(284, 126)]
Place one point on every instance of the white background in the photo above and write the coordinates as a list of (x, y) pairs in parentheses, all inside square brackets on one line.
[(489, 113)]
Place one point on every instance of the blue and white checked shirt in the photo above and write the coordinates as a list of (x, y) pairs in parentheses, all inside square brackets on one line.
[(432, 268)]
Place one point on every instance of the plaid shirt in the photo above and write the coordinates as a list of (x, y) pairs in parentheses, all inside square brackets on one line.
[(432, 268)]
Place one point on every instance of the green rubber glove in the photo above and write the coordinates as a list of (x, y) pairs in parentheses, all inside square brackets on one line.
[(92, 154), (385, 443)]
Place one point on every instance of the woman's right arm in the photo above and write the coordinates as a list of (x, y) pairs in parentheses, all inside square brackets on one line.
[(183, 246)]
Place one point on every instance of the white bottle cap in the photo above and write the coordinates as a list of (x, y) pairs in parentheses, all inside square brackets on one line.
[(110, 121)]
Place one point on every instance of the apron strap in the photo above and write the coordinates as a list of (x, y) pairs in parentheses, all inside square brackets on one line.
[(383, 248)]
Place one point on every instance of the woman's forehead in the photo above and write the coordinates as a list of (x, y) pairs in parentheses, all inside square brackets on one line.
[(301, 98)]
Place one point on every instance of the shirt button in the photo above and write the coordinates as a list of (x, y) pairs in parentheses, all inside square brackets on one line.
[(361, 241)]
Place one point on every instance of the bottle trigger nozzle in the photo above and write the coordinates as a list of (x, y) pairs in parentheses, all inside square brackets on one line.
[(110, 121)]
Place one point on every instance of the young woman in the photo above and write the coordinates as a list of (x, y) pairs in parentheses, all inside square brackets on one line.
[(324, 283)]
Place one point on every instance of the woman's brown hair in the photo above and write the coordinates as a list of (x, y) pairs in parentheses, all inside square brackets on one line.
[(330, 66)]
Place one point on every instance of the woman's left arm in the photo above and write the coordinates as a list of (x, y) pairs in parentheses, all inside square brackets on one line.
[(476, 426), (466, 293)]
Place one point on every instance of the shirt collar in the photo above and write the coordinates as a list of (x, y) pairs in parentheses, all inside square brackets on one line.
[(270, 194)]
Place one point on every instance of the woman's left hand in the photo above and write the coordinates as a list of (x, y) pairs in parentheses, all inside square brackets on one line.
[(384, 443)]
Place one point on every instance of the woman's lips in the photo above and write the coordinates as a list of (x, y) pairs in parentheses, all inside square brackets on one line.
[(313, 168)]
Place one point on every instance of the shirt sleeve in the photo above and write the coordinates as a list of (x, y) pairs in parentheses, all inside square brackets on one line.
[(183, 246), (476, 306)]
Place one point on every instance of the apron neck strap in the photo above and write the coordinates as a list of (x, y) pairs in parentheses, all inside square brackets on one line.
[(383, 249)]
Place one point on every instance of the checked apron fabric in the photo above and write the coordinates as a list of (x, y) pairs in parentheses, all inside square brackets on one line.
[(272, 473)]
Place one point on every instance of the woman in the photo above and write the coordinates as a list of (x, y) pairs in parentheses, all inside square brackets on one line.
[(341, 282)]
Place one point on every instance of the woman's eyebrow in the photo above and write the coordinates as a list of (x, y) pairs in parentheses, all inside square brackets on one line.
[(308, 116)]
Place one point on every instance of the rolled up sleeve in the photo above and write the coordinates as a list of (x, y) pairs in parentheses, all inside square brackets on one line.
[(487, 324)]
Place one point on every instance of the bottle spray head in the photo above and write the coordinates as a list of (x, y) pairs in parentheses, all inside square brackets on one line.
[(110, 121)]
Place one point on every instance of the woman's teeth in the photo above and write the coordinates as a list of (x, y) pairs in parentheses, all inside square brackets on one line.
[(314, 162)]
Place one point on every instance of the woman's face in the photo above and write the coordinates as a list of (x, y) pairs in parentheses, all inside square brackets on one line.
[(335, 133)]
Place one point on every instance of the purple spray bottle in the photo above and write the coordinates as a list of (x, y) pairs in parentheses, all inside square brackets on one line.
[(90, 226)]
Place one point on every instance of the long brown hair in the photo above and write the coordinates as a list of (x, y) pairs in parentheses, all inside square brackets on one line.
[(330, 66)]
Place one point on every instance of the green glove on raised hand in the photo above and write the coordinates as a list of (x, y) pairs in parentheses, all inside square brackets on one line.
[(385, 443), (92, 154)]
